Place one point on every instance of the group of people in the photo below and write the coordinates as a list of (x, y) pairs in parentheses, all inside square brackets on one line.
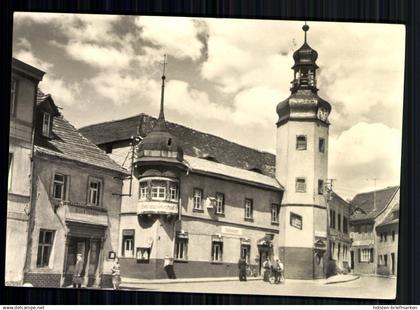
[(78, 269), (273, 269)]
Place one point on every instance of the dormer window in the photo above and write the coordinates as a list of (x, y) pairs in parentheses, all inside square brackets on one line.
[(46, 124)]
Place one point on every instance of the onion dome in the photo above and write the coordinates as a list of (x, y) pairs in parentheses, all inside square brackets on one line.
[(159, 147), (304, 102)]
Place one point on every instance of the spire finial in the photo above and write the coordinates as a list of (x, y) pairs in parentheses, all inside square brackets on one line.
[(162, 96), (305, 28)]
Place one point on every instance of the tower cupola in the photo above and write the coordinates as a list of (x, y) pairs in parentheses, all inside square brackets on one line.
[(304, 102)]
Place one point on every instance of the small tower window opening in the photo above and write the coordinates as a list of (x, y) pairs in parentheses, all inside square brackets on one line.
[(320, 187), (300, 185), (169, 142), (321, 145), (301, 143)]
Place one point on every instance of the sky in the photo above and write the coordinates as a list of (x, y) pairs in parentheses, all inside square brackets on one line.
[(225, 77)]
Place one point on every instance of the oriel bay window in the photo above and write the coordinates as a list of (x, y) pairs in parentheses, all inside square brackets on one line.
[(45, 244), (161, 189)]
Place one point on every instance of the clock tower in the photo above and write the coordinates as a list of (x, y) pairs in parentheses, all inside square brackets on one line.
[(302, 168)]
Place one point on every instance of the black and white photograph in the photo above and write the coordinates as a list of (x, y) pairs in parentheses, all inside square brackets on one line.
[(205, 155)]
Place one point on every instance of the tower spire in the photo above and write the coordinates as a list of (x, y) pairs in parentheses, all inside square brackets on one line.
[(305, 29), (162, 96)]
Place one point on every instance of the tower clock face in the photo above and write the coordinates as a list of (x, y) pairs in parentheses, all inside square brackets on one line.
[(322, 114)]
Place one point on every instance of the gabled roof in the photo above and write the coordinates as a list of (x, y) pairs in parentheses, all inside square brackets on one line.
[(370, 205), (67, 143), (193, 142)]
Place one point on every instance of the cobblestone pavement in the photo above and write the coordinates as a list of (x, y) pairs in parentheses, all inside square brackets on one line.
[(364, 287)]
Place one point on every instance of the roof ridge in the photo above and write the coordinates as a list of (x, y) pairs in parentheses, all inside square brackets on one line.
[(213, 135), (379, 190), (112, 121)]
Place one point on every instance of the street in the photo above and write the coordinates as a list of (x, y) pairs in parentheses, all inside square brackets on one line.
[(364, 287)]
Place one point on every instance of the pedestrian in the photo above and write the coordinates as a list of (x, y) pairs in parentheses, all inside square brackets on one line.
[(242, 269), (116, 274), (267, 268), (78, 269), (281, 271), (277, 271)]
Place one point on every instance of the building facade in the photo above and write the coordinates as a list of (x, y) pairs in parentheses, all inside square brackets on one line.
[(302, 167), (368, 211), (76, 203), (339, 242), (24, 83)]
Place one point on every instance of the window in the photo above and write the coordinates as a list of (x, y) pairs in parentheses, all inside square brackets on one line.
[(274, 213), (332, 219), (339, 222), (173, 192), (46, 124), (365, 255), (295, 220), (300, 185), (301, 142), (45, 243), (13, 97), (94, 192), (220, 203), (345, 225), (59, 186), (320, 187), (144, 190), (158, 190), (128, 243), (321, 145), (217, 251), (248, 208), (385, 259), (181, 248), (197, 199), (245, 252), (9, 180)]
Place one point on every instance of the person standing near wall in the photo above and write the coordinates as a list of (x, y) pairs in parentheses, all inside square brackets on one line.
[(242, 269), (116, 274), (78, 269)]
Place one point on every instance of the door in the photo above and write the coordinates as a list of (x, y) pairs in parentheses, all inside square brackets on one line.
[(352, 260)]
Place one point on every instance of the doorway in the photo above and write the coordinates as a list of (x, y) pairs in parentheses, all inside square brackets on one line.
[(393, 263), (352, 260), (263, 253)]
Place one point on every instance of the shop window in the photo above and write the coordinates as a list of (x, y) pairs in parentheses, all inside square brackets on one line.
[(197, 199), (245, 252), (217, 251), (60, 186), (94, 192), (301, 143), (321, 145), (128, 242), (248, 209), (220, 203), (275, 213), (296, 220), (45, 244), (365, 255), (181, 247)]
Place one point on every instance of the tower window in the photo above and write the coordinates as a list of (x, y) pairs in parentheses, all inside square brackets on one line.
[(320, 187), (300, 185), (301, 143), (321, 145)]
